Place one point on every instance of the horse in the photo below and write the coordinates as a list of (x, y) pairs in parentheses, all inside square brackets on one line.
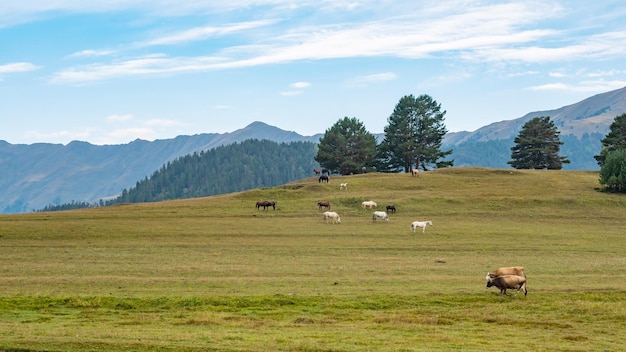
[(333, 216), (422, 224), (265, 204), (391, 208), (323, 204), (317, 172), (343, 186), (368, 204), (325, 171), (381, 215), (415, 172), (323, 178)]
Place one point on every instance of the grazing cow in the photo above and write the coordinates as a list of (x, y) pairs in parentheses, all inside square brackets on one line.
[(368, 204), (391, 208), (380, 215), (415, 172), (422, 224), (511, 270), (343, 186), (323, 178), (323, 204), (333, 216), (505, 282)]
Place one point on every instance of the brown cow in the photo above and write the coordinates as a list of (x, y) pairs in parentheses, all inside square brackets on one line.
[(505, 282)]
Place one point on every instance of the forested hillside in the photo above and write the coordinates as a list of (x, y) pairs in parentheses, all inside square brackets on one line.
[(225, 169)]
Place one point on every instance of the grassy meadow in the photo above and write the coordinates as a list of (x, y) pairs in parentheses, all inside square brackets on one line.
[(216, 274)]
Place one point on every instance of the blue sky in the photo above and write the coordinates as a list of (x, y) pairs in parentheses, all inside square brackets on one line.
[(112, 71)]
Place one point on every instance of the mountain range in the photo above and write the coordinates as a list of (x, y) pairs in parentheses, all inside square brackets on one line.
[(37, 175)]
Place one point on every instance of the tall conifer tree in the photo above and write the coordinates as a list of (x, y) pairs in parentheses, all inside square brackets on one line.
[(537, 146), (414, 135), (347, 147)]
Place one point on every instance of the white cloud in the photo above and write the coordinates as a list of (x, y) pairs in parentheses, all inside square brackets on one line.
[(556, 74), (202, 33), (300, 85), (583, 86), (605, 73), (155, 64), (297, 89), (378, 77), (17, 67), (523, 74), (92, 53)]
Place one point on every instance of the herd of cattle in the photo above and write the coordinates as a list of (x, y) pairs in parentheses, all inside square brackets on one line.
[(513, 278)]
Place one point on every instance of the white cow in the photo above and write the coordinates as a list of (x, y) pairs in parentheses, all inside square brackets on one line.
[(343, 186)]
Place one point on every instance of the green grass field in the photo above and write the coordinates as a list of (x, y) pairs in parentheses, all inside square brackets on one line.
[(216, 274)]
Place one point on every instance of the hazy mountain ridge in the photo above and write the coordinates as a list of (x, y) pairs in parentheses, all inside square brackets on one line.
[(592, 115), (41, 174)]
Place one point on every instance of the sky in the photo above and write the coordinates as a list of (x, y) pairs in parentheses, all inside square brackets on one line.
[(113, 71)]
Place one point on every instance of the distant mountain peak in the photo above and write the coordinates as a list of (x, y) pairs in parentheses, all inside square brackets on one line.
[(258, 124)]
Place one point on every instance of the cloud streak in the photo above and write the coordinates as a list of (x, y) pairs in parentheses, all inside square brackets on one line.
[(203, 33), (584, 86), (18, 67)]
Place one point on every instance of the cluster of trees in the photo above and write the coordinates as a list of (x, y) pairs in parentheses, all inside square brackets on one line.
[(413, 139), (414, 135)]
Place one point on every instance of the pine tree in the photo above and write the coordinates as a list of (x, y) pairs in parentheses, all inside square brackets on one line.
[(346, 147), (414, 135), (537, 146), (615, 139)]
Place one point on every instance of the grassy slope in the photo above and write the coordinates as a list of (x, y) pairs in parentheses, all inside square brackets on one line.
[(215, 273)]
